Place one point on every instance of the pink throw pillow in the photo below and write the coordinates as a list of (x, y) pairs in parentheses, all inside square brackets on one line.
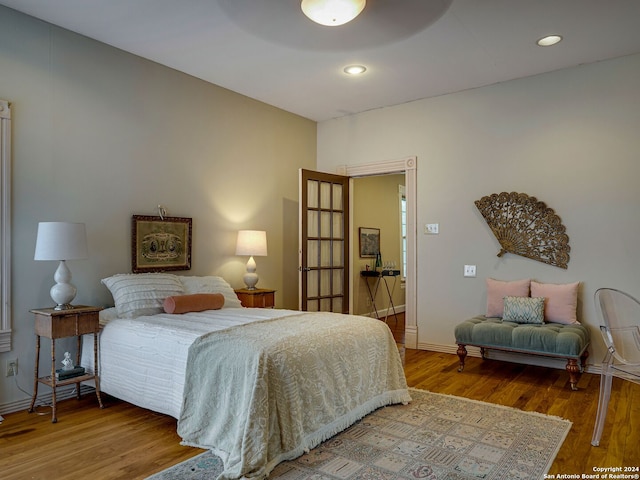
[(561, 301), (498, 289)]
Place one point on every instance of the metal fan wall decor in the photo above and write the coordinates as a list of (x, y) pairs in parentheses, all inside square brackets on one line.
[(526, 226)]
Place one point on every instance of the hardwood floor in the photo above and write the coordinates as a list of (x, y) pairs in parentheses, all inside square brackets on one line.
[(546, 391), (126, 442)]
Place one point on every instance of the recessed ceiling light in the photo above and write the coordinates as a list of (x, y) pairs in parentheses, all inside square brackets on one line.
[(549, 40), (355, 69)]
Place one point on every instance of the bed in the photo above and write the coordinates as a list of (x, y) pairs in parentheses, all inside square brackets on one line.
[(255, 386)]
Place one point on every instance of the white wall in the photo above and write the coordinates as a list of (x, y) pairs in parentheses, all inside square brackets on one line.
[(100, 135), (570, 138)]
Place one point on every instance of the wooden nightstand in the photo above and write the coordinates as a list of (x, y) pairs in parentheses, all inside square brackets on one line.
[(53, 324), (258, 298)]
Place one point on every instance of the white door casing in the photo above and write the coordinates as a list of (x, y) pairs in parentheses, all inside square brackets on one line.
[(408, 166)]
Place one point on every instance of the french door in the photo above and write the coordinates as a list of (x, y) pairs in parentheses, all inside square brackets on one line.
[(324, 242)]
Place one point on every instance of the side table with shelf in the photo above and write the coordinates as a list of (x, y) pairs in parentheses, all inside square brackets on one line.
[(256, 298), (54, 324), (376, 278)]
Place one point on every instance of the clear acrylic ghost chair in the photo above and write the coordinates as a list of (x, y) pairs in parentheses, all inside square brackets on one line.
[(621, 334)]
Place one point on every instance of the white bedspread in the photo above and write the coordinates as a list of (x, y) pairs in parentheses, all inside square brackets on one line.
[(143, 360), (267, 392)]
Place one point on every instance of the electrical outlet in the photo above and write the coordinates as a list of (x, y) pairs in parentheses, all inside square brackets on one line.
[(469, 270), (432, 228), (12, 367)]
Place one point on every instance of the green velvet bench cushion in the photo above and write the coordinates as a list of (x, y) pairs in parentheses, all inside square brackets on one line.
[(547, 339), (551, 338)]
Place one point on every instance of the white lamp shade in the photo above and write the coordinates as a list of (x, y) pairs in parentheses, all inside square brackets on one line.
[(332, 13), (61, 241), (252, 242)]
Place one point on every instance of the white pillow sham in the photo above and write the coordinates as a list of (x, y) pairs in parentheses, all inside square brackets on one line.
[(211, 284), (137, 294)]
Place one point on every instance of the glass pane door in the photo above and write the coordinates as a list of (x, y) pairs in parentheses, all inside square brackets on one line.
[(324, 242)]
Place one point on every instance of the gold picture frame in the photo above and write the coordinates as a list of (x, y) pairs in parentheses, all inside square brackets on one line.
[(160, 244)]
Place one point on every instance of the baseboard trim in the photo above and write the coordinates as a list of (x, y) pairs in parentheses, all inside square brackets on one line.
[(44, 400), (386, 311)]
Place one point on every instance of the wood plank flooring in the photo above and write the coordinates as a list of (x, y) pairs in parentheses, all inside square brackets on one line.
[(127, 442)]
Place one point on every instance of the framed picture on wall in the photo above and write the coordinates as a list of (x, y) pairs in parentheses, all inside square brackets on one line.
[(160, 244), (369, 242)]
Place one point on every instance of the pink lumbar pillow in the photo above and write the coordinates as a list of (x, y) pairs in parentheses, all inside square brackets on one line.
[(197, 302), (498, 289), (561, 301)]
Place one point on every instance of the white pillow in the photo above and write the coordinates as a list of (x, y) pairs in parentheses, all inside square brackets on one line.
[(211, 284), (142, 293)]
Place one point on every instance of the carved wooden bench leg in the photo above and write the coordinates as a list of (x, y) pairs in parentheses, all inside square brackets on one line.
[(583, 360), (574, 372), (462, 353)]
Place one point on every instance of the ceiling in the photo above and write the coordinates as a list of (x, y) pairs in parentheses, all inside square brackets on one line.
[(268, 50)]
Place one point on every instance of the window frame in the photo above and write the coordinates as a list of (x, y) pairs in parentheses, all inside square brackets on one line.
[(5, 226)]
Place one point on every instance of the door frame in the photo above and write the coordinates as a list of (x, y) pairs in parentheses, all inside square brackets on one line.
[(408, 166)]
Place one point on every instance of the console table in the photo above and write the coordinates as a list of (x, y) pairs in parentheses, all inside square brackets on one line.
[(373, 279)]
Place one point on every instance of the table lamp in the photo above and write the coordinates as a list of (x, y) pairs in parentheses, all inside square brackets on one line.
[(61, 241), (252, 243)]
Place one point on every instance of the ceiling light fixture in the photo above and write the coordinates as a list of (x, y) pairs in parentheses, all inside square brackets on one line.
[(354, 69), (549, 40), (332, 13)]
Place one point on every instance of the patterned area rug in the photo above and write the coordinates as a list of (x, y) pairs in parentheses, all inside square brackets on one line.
[(434, 437)]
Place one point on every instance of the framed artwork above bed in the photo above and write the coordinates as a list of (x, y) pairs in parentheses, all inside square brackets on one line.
[(160, 244)]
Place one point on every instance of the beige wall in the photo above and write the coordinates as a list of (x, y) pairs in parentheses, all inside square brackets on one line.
[(100, 135), (375, 205), (569, 138)]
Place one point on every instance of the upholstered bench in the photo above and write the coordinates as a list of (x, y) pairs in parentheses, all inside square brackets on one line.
[(557, 340)]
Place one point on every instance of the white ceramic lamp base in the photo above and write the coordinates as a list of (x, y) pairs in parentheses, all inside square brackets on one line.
[(63, 292), (251, 277)]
